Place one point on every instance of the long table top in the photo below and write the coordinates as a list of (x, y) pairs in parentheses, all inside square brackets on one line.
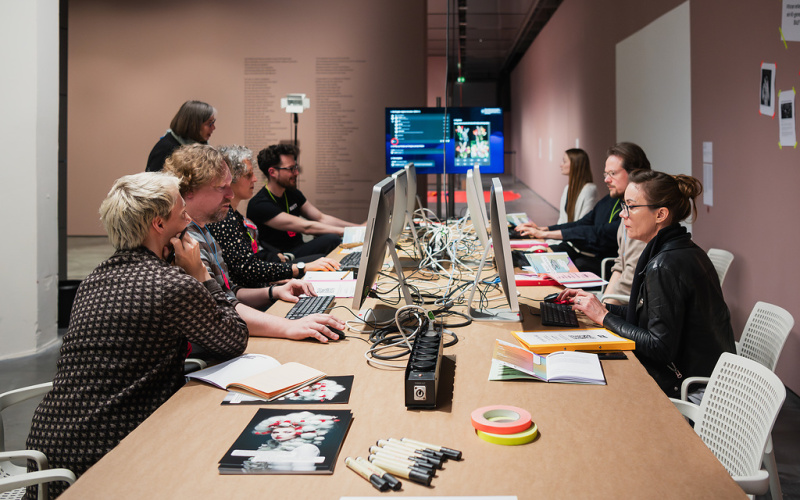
[(621, 440)]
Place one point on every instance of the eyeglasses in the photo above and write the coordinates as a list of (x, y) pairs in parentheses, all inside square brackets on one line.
[(294, 169), (626, 209), (611, 174)]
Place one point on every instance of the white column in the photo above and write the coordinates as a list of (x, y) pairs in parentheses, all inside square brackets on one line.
[(29, 34)]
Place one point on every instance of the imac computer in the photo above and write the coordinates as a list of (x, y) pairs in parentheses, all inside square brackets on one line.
[(474, 203), (476, 178), (376, 241), (502, 258)]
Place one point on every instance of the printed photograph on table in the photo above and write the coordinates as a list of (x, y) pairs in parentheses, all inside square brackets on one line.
[(288, 442), (330, 390)]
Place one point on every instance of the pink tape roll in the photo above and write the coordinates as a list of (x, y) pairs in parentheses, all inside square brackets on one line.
[(501, 419)]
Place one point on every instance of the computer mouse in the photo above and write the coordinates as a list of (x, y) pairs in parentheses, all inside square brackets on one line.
[(538, 250), (338, 334), (550, 298)]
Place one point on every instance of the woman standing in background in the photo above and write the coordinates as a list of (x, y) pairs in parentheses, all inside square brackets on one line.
[(194, 122)]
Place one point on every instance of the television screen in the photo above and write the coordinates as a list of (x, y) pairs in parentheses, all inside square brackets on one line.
[(444, 140)]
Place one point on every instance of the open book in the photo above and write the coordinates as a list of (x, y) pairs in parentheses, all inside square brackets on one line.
[(258, 375), (514, 362)]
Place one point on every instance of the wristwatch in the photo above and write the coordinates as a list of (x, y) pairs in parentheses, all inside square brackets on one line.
[(301, 269)]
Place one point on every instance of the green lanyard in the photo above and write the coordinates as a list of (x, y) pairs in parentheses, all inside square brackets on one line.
[(286, 198), (610, 218)]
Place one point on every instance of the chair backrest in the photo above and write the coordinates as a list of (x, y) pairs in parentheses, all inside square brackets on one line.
[(738, 411), (765, 333), (17, 395), (722, 262)]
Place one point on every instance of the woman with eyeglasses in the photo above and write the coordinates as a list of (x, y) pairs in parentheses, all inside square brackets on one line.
[(676, 315), (194, 122), (250, 264)]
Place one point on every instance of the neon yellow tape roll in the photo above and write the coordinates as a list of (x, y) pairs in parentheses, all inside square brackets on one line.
[(523, 437)]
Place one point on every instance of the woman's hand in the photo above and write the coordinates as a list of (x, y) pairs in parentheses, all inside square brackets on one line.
[(314, 326), (292, 289), (187, 256), (588, 304), (323, 264)]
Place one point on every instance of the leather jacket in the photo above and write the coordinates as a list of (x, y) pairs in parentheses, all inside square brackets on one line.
[(683, 322)]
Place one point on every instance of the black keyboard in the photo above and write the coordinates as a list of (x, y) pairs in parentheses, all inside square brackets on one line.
[(310, 305), (557, 314), (351, 261)]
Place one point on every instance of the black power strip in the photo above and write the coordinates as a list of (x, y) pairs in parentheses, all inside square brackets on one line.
[(422, 371)]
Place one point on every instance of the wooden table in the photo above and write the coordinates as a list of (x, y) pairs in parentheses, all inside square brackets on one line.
[(622, 440)]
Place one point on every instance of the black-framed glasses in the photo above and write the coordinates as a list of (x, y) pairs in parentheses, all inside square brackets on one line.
[(294, 169), (626, 209)]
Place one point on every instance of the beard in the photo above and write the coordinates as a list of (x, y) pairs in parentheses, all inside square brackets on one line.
[(219, 215), (291, 183)]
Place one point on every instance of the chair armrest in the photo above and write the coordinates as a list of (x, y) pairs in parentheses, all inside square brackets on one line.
[(756, 484), (689, 381), (34, 478), (13, 397), (687, 409), (36, 456)]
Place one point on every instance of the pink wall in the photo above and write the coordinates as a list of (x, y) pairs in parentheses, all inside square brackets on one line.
[(564, 88)]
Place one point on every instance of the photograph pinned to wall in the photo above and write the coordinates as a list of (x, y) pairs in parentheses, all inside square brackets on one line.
[(767, 89), (330, 390), (788, 136), (790, 20)]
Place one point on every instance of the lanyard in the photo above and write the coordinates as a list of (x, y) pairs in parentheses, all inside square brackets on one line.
[(248, 224), (614, 211), (214, 253), (291, 234)]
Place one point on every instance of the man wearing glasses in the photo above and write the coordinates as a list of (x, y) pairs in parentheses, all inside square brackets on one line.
[(283, 215), (598, 234)]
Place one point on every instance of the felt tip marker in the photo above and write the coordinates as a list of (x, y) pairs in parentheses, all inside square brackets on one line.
[(381, 452), (433, 456), (402, 463), (405, 472), (448, 452), (410, 454), (392, 481), (362, 471)]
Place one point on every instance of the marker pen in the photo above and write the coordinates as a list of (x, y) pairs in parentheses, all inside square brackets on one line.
[(410, 454), (420, 449), (434, 456), (448, 452), (359, 469), (392, 481), (405, 472), (378, 451), (402, 463)]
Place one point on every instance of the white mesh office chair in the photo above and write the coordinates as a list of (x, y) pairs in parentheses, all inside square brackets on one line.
[(607, 263), (13, 478), (736, 415), (722, 262), (762, 340)]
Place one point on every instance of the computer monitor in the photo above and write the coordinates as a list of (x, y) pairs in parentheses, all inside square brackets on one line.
[(476, 177), (376, 241), (474, 204), (400, 205), (502, 258), (445, 140)]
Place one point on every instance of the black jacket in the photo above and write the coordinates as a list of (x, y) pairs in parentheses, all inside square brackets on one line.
[(160, 152), (683, 322), (595, 232)]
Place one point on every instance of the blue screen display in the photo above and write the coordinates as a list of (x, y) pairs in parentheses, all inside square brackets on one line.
[(439, 140)]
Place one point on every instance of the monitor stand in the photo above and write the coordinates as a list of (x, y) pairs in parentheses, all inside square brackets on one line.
[(382, 313), (500, 315)]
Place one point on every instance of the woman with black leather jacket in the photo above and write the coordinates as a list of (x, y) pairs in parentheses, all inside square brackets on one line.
[(676, 313)]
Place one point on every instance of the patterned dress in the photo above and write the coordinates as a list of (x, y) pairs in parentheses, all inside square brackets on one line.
[(123, 355), (239, 244)]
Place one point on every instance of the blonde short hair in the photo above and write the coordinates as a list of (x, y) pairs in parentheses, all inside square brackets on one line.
[(132, 204), (195, 165)]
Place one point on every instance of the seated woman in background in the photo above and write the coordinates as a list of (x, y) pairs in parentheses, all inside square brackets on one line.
[(580, 192), (194, 122), (248, 264), (131, 321), (676, 315)]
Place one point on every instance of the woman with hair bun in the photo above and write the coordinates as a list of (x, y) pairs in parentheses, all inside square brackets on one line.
[(194, 122), (676, 315)]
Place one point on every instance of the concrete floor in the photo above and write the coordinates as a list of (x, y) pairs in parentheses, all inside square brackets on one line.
[(84, 253)]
